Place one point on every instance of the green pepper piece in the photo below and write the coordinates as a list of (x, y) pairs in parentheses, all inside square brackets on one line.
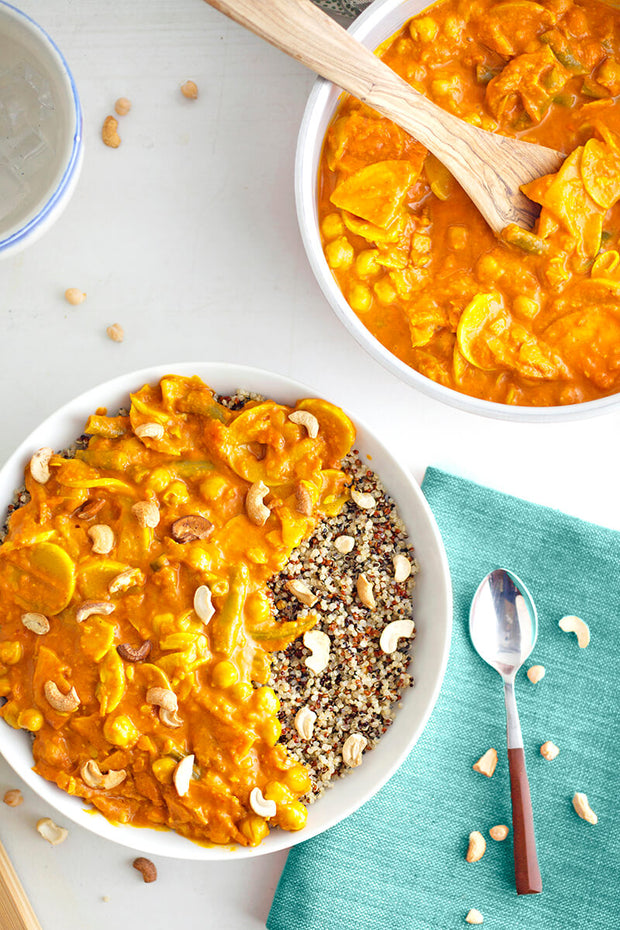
[(525, 240), (562, 51), (592, 89), (226, 625), (280, 635)]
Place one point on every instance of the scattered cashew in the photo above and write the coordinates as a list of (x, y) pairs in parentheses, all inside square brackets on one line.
[(202, 603), (402, 568), (319, 644), (260, 805), (535, 673), (182, 775), (170, 718), (115, 332), (149, 431), (474, 916), (13, 797), (363, 501), (109, 132), (477, 847), (365, 592), (486, 763), (135, 653), (51, 832), (36, 623), (582, 807), (162, 697), (499, 833), (146, 513), (94, 777), (63, 703), (257, 511), (146, 868), (304, 722), (303, 499), (549, 751), (39, 465), (125, 579), (344, 544), (102, 537), (353, 748), (393, 632), (89, 509), (301, 591), (307, 419), (190, 528), (577, 626), (190, 90), (88, 608)]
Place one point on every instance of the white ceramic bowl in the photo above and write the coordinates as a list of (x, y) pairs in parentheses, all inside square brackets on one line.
[(379, 22), (432, 606), (40, 131)]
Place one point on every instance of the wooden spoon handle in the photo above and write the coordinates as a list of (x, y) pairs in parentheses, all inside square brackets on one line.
[(303, 31), (15, 910), (527, 873)]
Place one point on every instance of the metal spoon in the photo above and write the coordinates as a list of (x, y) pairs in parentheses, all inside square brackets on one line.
[(488, 166), (503, 625)]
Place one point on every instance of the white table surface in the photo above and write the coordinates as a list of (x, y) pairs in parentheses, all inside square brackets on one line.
[(187, 236)]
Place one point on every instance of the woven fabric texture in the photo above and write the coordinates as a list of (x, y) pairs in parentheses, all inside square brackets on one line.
[(399, 862), (349, 8)]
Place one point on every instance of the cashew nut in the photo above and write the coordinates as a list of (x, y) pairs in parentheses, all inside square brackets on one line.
[(577, 626), (302, 592), (170, 718), (402, 568), (363, 501), (135, 653), (364, 591), (549, 751), (188, 529), (63, 703), (260, 805), (535, 673), (162, 697), (393, 632), (344, 544), (582, 807), (149, 431), (13, 797), (477, 847), (109, 132), (257, 511), (353, 748), (51, 832), (88, 608), (89, 508), (486, 764), (319, 644), (36, 623), (102, 537), (39, 465), (499, 833), (307, 419), (146, 513), (304, 722), (146, 868), (202, 603), (125, 579), (182, 775), (303, 499), (474, 916), (94, 777)]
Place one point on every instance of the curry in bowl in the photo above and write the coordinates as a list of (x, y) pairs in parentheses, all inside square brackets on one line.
[(532, 319), (152, 579)]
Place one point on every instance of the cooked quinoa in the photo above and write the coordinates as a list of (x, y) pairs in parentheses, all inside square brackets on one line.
[(358, 691)]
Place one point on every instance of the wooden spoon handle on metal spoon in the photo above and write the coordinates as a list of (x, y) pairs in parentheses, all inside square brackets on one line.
[(15, 910), (489, 167), (527, 873)]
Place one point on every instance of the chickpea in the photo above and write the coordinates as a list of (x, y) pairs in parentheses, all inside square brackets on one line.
[(120, 731), (360, 298), (278, 792), (254, 828), (189, 90), (163, 769), (366, 264), (526, 307), (74, 296), (297, 779), (116, 332), (332, 226), (5, 686), (266, 700), (122, 106), (293, 816), (457, 237), (384, 291), (176, 494), (11, 652), (224, 675), (31, 719), (271, 731), (241, 691), (424, 29), (339, 253)]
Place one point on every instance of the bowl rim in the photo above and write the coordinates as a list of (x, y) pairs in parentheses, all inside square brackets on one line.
[(322, 100), (64, 185), (150, 841)]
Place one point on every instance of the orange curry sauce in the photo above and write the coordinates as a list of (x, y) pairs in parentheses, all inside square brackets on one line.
[(156, 635), (530, 320)]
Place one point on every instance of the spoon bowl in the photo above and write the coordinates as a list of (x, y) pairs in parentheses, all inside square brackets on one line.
[(503, 625)]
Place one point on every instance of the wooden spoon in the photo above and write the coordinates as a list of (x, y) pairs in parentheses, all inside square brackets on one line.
[(15, 910), (489, 167)]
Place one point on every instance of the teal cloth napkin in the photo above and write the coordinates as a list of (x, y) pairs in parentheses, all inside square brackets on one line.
[(399, 862)]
